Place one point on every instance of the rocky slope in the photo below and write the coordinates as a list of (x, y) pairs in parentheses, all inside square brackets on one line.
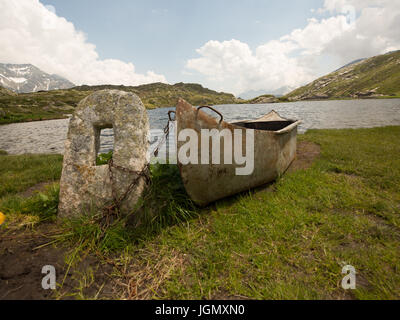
[(159, 95), (266, 98), (6, 92), (25, 78), (374, 77)]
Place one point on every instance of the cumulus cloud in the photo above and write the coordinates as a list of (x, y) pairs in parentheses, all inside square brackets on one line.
[(376, 29), (232, 66), (33, 33), (343, 30)]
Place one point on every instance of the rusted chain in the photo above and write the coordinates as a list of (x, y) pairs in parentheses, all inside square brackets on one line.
[(166, 134), (113, 210)]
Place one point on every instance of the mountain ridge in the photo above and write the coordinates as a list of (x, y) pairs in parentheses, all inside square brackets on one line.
[(374, 77), (27, 78)]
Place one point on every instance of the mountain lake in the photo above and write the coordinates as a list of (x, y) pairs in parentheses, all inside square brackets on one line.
[(47, 137)]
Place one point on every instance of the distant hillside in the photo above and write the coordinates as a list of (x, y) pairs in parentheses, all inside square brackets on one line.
[(25, 78), (266, 98), (6, 92), (57, 103), (159, 95), (349, 64), (374, 77)]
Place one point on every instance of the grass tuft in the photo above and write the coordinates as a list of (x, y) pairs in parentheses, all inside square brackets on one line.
[(163, 205)]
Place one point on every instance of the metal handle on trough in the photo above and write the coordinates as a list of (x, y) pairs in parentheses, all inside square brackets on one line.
[(217, 112), (169, 115)]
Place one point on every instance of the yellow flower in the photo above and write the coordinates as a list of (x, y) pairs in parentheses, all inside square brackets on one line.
[(2, 218)]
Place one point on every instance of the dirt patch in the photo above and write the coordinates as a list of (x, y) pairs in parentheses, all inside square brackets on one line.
[(21, 265), (36, 188), (22, 259), (307, 153)]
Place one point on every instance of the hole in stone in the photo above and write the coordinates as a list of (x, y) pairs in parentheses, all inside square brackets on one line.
[(106, 146)]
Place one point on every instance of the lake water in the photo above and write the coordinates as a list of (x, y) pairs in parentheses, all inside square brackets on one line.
[(49, 136)]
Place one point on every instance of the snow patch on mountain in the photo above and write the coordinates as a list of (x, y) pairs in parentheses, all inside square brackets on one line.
[(25, 78), (18, 80)]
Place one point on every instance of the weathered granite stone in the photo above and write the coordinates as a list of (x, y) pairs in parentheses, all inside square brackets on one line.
[(85, 187)]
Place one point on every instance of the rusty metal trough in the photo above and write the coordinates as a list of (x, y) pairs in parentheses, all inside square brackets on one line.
[(275, 143)]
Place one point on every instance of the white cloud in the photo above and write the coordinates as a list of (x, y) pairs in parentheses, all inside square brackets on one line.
[(232, 66), (33, 33), (376, 29), (348, 30)]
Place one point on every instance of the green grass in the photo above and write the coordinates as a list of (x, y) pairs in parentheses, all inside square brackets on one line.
[(42, 205), (103, 158), (288, 241), (18, 173), (293, 242), (29, 117)]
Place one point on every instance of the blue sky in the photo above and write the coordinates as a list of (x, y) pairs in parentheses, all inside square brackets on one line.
[(226, 45), (161, 35)]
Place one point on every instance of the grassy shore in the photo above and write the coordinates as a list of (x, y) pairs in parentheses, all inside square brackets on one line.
[(288, 240)]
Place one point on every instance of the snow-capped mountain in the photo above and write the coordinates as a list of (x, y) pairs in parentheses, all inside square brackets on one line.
[(256, 93), (24, 78)]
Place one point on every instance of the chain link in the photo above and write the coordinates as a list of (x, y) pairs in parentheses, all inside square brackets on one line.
[(114, 209), (166, 134)]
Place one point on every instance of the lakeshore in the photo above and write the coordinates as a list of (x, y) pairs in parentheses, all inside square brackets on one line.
[(339, 204)]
